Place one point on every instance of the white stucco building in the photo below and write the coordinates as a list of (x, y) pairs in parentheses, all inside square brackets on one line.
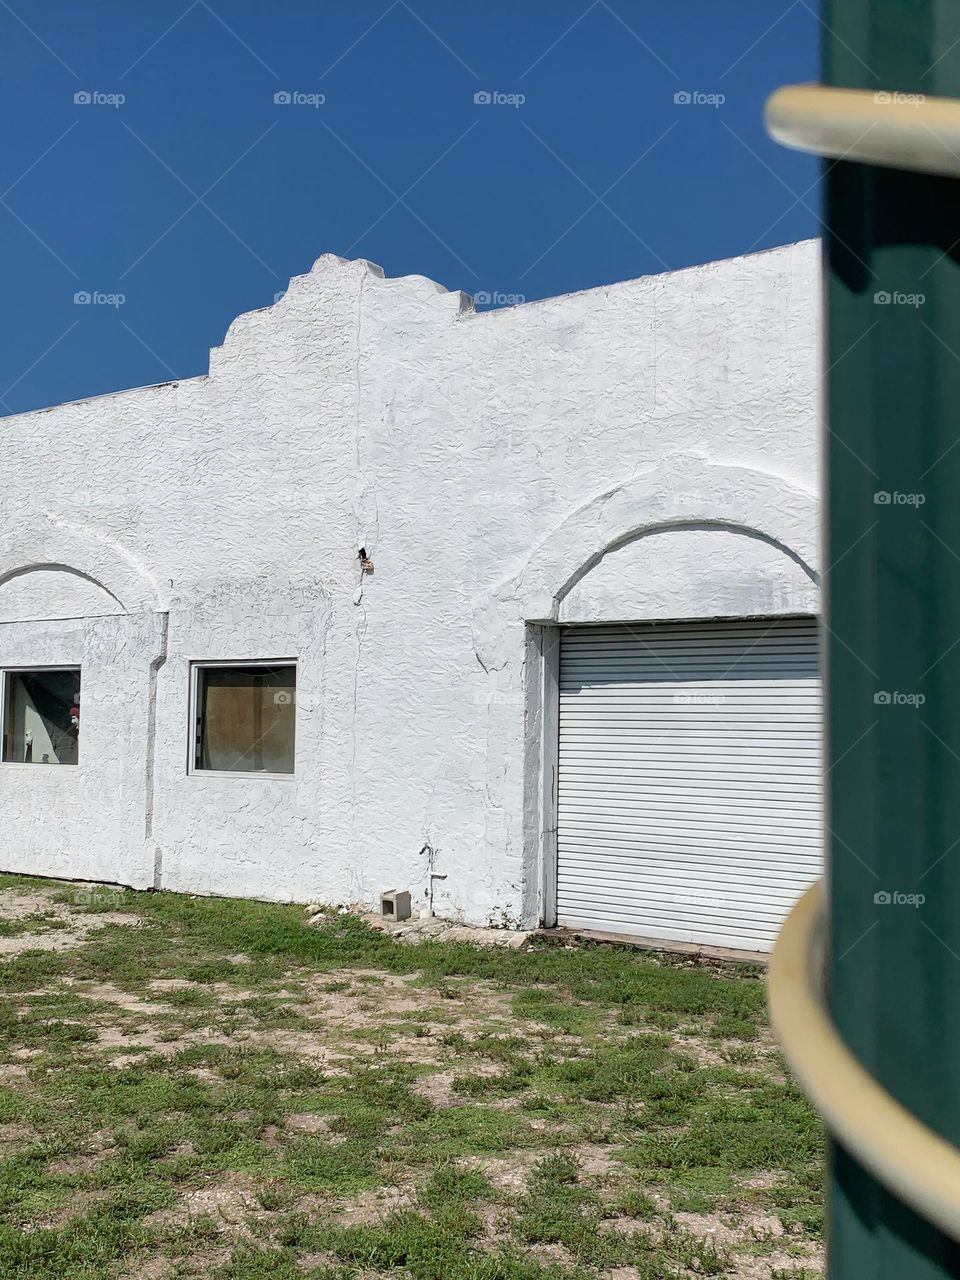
[(240, 705)]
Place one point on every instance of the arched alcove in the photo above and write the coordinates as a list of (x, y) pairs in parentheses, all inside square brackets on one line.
[(684, 491), (54, 591), (690, 570), (50, 568)]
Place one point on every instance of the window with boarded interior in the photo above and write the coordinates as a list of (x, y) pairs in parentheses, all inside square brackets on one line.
[(245, 717)]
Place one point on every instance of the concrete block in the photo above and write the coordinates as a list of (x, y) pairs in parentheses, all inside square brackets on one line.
[(395, 904)]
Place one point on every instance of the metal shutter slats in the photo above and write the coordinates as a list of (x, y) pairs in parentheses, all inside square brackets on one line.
[(689, 778)]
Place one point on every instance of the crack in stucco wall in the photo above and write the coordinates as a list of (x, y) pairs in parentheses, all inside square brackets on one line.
[(361, 539)]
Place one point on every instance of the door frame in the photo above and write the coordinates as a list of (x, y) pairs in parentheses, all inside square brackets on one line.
[(541, 770)]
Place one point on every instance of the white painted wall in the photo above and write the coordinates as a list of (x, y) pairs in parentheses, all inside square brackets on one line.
[(642, 450), (92, 820)]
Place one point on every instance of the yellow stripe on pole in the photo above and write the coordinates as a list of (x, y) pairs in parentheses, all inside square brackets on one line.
[(914, 1163), (887, 128)]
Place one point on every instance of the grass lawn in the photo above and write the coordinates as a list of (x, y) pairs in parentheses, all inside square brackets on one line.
[(202, 1086)]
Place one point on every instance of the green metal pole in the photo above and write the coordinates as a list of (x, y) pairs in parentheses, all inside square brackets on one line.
[(893, 624)]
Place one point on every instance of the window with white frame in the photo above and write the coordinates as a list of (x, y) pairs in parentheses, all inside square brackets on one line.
[(244, 717), (41, 716)]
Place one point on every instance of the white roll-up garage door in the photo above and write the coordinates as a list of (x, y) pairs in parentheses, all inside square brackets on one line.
[(689, 778)]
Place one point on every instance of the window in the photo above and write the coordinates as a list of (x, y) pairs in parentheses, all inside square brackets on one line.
[(244, 717), (41, 716)]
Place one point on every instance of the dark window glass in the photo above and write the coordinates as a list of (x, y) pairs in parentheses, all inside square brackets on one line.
[(246, 719), (41, 717)]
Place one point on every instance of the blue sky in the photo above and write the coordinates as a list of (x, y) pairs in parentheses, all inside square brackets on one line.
[(177, 190)]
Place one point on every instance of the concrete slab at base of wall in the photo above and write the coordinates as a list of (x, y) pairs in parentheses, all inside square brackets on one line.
[(573, 937)]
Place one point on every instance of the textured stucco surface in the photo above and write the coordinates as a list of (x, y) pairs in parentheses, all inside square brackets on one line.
[(695, 572), (91, 820), (642, 450)]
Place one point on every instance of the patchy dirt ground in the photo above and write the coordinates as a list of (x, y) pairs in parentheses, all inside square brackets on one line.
[(208, 1087), (35, 922)]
